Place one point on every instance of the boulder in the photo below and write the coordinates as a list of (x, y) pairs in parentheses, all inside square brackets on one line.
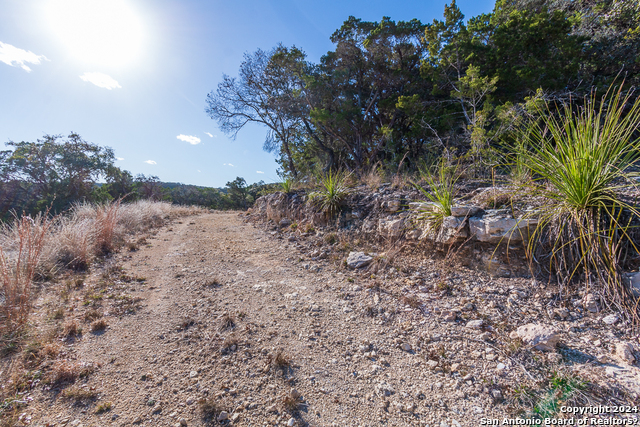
[(496, 229), (538, 336), (358, 260)]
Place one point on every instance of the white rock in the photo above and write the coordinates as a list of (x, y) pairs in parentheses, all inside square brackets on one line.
[(358, 260), (624, 352), (475, 324), (291, 422), (501, 367), (406, 346), (495, 230), (224, 415), (633, 281), (392, 228), (610, 319), (539, 337)]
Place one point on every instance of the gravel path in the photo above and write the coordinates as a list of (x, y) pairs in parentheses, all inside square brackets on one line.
[(232, 319)]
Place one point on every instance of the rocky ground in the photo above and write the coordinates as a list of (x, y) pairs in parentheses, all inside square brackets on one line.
[(214, 320)]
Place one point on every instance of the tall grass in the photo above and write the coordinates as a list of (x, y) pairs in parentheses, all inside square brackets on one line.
[(40, 246), (333, 191), (579, 160), (17, 270)]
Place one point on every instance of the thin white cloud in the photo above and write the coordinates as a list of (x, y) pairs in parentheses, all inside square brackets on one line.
[(228, 164), (101, 80), (193, 140), (14, 56), (210, 134), (119, 158), (259, 172), (151, 162)]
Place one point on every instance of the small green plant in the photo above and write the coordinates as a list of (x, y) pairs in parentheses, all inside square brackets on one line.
[(332, 193), (440, 192), (561, 389), (103, 407), (579, 159), (287, 185)]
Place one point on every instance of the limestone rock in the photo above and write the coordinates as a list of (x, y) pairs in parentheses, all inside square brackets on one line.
[(610, 319), (624, 352), (496, 229), (538, 336), (475, 324), (391, 228), (358, 260), (462, 210)]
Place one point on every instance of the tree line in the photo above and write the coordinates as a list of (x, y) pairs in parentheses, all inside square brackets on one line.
[(55, 172), (397, 94)]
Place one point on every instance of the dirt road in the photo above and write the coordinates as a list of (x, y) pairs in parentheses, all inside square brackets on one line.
[(232, 320)]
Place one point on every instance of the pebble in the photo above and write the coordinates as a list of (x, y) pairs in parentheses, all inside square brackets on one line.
[(475, 324), (183, 422), (406, 347), (291, 422), (224, 415), (610, 319)]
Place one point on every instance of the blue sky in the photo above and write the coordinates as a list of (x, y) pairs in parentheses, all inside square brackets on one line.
[(134, 74)]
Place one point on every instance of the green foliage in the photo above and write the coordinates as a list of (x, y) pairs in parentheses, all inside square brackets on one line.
[(333, 191), (580, 158), (440, 192), (287, 185)]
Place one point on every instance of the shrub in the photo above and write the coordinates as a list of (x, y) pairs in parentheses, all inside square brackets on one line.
[(332, 193), (579, 160)]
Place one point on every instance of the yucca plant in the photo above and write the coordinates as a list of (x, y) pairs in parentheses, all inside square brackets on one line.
[(333, 191), (287, 185), (579, 159), (440, 192)]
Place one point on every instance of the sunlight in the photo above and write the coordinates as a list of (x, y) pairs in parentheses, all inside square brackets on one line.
[(101, 32)]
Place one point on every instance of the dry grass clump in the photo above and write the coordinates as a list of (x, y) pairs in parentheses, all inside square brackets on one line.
[(99, 325), (210, 408), (227, 321), (79, 393), (280, 360), (71, 328), (17, 270), (66, 371)]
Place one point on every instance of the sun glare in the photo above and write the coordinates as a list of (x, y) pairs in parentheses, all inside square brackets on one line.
[(100, 32)]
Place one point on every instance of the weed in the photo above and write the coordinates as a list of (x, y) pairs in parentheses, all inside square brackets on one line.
[(280, 361), (290, 404), (103, 407), (227, 321)]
